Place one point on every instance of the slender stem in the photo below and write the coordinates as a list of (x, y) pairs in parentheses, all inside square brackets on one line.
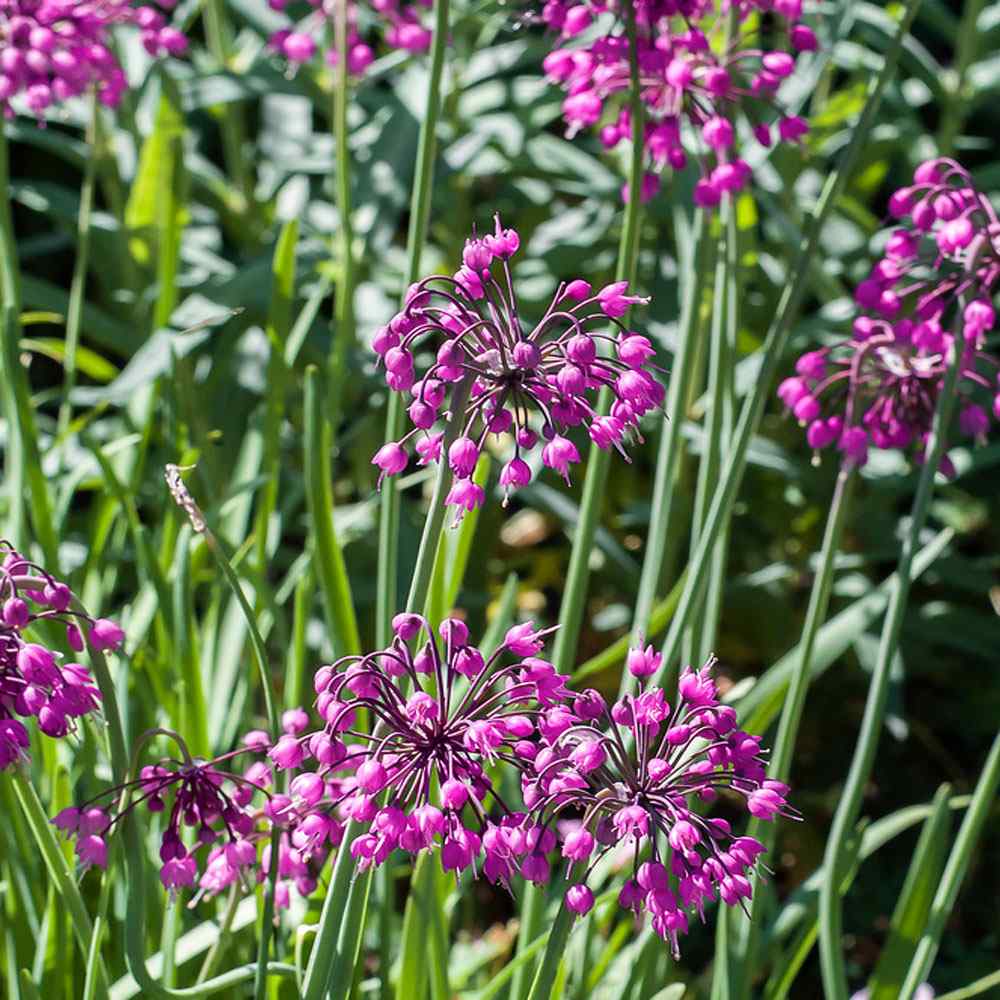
[(831, 949), (578, 573), (77, 288), (772, 350), (983, 800), (665, 472), (729, 353), (55, 862), (24, 458), (420, 207), (711, 450), (956, 102), (791, 713), (343, 332), (231, 123), (555, 948)]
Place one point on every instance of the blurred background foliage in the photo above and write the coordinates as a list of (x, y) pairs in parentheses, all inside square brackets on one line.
[(185, 237)]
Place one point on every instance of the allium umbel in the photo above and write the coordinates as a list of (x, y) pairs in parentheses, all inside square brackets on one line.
[(34, 682), (443, 716), (398, 24), (632, 775), (699, 83), (52, 50), (532, 382), (938, 271)]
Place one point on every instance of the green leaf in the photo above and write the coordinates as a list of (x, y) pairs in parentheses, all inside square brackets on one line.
[(328, 560), (914, 903)]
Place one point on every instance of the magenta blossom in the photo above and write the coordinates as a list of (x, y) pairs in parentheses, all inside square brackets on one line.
[(532, 383), (399, 27), (443, 714), (938, 272), (52, 50), (206, 811), (698, 82), (631, 773), (34, 682)]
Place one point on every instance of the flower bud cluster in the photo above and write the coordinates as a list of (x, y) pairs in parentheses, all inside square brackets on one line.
[(705, 67), (399, 26), (937, 273), (52, 50), (531, 383), (34, 682)]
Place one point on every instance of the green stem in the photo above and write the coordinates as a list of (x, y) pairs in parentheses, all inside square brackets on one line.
[(848, 806), (555, 949), (578, 573), (791, 713), (24, 455), (983, 800), (711, 449), (77, 288), (420, 208), (55, 862), (665, 472), (231, 124), (347, 914), (727, 398), (772, 350), (343, 333), (956, 103)]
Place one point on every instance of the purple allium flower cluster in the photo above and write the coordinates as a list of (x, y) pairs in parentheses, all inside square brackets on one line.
[(399, 27), (52, 50), (699, 82), (938, 269), (633, 774), (34, 683), (444, 715), (216, 820), (533, 382)]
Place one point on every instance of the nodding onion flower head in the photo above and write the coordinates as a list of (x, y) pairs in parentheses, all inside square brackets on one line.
[(215, 821), (35, 683), (532, 383), (53, 50), (632, 775), (443, 714), (937, 274), (398, 24), (699, 81)]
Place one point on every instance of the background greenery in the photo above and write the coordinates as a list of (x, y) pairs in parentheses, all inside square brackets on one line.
[(186, 233)]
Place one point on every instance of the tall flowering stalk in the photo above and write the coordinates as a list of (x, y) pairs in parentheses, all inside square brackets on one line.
[(699, 81), (882, 387), (630, 774), (947, 297)]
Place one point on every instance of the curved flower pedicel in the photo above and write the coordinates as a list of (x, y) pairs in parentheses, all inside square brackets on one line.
[(398, 25), (444, 718), (632, 774), (52, 50), (699, 80), (34, 683), (939, 269), (533, 382)]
